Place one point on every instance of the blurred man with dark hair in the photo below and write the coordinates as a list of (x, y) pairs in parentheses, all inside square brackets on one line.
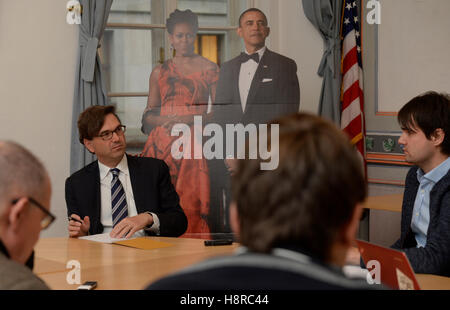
[(118, 193), (25, 193), (425, 225), (296, 223)]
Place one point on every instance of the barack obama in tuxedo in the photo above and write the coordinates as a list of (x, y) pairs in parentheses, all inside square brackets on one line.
[(253, 88)]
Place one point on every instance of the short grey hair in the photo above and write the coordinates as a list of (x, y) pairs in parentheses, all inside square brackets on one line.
[(21, 173)]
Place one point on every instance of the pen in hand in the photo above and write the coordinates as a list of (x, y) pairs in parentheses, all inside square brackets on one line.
[(73, 219)]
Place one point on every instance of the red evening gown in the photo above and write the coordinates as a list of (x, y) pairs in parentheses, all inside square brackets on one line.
[(184, 95)]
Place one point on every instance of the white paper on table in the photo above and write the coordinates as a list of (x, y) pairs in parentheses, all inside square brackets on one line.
[(103, 238)]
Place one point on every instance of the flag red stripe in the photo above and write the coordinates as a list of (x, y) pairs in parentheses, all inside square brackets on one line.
[(351, 58), (350, 95), (354, 127)]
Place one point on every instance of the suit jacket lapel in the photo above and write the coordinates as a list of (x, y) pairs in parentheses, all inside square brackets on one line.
[(137, 183), (260, 73), (236, 70), (93, 194)]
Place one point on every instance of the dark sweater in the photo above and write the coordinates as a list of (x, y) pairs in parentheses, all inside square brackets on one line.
[(434, 258), (282, 270)]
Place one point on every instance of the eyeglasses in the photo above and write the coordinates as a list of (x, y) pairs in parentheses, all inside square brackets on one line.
[(47, 220), (107, 135)]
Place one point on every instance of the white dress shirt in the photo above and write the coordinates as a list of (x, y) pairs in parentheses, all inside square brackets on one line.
[(246, 74), (105, 197)]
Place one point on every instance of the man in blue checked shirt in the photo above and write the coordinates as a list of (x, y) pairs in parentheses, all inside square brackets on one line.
[(425, 225)]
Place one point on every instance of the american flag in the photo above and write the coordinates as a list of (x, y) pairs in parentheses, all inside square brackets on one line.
[(352, 96)]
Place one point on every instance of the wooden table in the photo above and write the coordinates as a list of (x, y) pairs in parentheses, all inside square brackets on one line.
[(385, 202), (433, 282), (115, 266)]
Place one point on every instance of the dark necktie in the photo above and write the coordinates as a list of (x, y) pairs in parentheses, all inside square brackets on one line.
[(246, 57), (118, 199)]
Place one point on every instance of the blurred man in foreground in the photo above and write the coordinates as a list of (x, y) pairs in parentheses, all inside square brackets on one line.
[(25, 193), (295, 223)]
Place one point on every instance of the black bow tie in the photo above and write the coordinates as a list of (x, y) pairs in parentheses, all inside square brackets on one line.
[(246, 57)]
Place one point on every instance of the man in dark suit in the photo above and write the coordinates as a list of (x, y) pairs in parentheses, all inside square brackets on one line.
[(258, 85), (118, 193), (253, 88)]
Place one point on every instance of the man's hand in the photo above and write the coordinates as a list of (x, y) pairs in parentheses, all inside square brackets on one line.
[(128, 226), (77, 229)]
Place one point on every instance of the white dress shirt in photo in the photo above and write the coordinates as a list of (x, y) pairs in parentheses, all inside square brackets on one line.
[(105, 197), (246, 74)]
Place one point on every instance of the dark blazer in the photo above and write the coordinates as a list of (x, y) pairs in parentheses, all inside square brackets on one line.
[(152, 189), (434, 258), (274, 91), (256, 271)]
